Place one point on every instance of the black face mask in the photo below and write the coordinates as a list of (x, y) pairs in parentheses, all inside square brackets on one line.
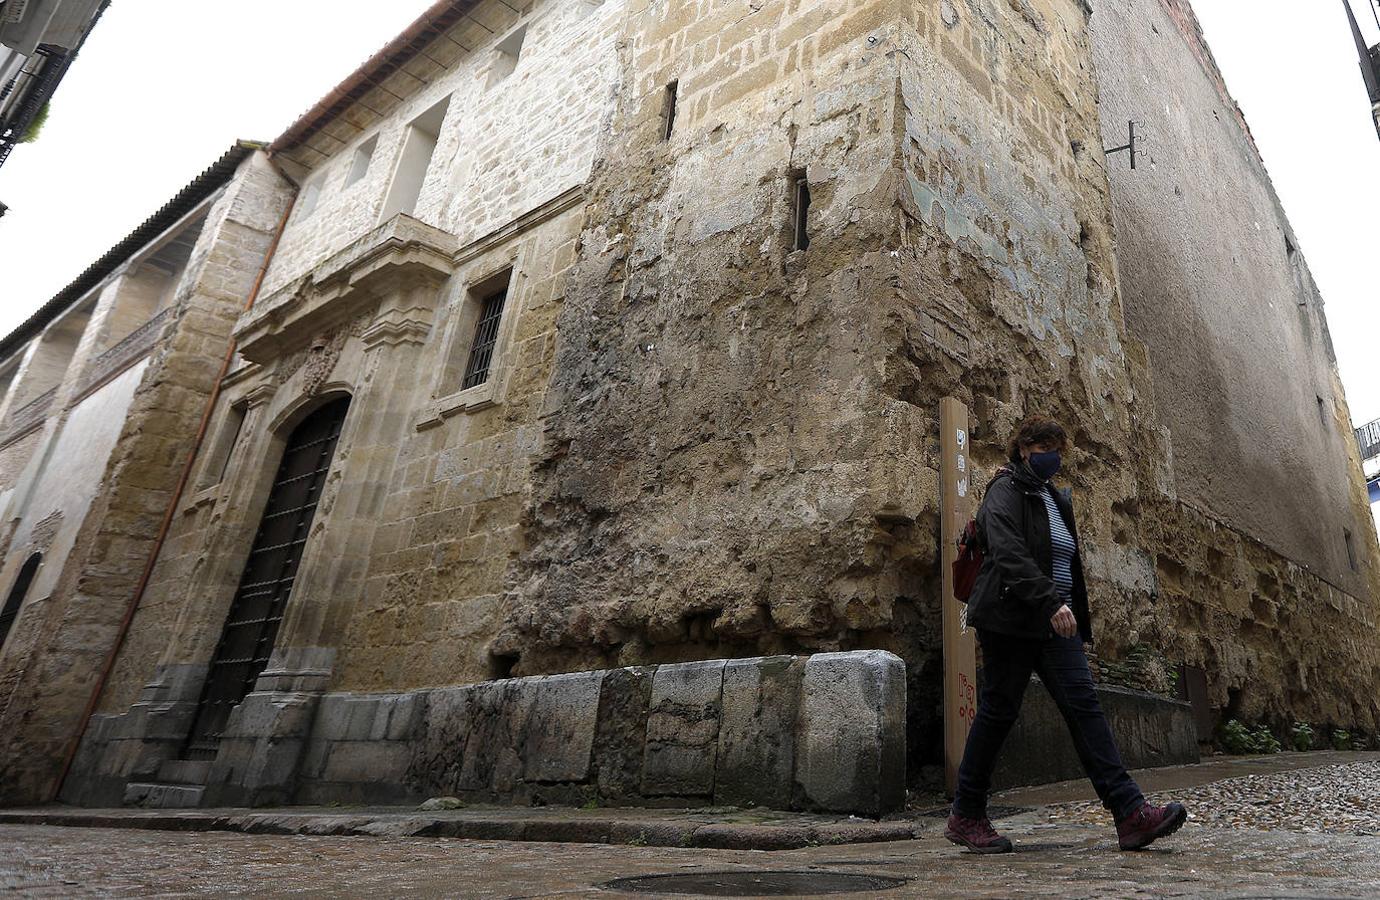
[(1045, 465)]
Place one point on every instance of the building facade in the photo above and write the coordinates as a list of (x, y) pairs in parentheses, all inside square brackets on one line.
[(39, 39), (613, 334)]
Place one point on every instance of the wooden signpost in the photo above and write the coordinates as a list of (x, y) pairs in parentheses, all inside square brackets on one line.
[(960, 657)]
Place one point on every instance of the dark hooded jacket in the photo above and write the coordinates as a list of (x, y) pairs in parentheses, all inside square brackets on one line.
[(1014, 593)]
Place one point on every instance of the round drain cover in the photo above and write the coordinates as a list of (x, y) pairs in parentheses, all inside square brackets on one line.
[(755, 884)]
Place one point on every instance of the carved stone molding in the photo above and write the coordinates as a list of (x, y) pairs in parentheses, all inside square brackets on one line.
[(44, 531), (402, 256)]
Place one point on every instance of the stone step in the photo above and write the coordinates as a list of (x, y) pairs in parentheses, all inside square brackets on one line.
[(157, 795), (184, 771)]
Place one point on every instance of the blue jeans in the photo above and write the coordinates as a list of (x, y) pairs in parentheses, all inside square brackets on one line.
[(1007, 663)]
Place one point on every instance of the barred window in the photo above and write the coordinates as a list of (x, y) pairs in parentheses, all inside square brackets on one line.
[(485, 339)]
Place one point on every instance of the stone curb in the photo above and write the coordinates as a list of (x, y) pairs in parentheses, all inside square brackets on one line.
[(717, 836)]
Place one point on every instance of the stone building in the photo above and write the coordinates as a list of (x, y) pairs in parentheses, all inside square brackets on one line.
[(1370, 57), (609, 337), (39, 41)]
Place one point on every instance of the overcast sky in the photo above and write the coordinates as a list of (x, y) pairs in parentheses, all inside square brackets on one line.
[(164, 86)]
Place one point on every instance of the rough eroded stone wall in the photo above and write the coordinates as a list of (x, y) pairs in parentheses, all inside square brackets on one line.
[(742, 438)]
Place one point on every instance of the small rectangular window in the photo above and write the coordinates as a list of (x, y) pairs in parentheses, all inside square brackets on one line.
[(1322, 411), (227, 436), (1350, 548), (311, 193), (507, 55), (669, 110), (419, 145), (485, 338), (800, 195), (359, 167)]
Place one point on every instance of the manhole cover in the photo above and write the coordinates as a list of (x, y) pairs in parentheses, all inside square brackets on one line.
[(755, 884), (993, 812)]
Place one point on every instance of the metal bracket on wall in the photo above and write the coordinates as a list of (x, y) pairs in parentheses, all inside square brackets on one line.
[(1129, 146)]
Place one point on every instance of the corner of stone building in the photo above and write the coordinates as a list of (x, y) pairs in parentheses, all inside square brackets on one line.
[(42, 718), (708, 368)]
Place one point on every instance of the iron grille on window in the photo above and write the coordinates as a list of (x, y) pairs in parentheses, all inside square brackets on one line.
[(485, 338)]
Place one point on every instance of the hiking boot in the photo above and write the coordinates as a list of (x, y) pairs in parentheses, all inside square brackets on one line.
[(977, 835), (1148, 824)]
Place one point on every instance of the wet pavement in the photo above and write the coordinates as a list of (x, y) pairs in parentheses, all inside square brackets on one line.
[(1062, 851)]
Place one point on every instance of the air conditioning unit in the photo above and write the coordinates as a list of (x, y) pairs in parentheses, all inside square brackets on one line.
[(13, 11)]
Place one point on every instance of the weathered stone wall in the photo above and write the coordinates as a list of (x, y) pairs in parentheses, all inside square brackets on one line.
[(1233, 322), (1252, 577), (729, 417), (42, 715), (826, 732)]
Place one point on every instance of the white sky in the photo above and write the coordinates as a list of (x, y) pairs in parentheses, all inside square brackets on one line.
[(164, 86)]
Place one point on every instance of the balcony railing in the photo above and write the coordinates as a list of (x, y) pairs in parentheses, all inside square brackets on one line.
[(134, 347), (26, 417), (1368, 438)]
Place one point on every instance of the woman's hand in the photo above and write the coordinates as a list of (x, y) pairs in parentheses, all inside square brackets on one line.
[(1065, 625)]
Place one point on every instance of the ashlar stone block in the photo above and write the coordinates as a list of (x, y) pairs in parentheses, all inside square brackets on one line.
[(560, 732), (681, 750), (756, 752), (852, 732)]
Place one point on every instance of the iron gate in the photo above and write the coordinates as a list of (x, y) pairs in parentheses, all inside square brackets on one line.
[(252, 624)]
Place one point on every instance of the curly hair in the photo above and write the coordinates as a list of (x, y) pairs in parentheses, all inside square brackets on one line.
[(1036, 429)]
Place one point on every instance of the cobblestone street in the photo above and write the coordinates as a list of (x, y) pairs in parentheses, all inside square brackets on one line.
[(1247, 838)]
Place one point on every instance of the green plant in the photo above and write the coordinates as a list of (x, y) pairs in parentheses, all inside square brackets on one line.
[(1240, 740), (1236, 739), (1265, 740), (35, 126), (1341, 740), (1301, 736)]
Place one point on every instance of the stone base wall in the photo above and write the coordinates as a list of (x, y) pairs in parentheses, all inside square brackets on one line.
[(825, 732), (1150, 731)]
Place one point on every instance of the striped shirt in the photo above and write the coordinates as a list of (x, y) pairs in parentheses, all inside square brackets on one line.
[(1061, 542)]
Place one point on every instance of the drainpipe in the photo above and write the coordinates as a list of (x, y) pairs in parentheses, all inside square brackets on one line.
[(168, 515)]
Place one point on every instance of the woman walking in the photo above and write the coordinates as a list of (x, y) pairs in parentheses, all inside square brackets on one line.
[(1029, 606)]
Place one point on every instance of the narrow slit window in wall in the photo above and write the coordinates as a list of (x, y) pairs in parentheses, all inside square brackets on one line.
[(668, 113), (485, 341), (359, 166), (1322, 411), (1350, 548), (800, 196), (419, 145)]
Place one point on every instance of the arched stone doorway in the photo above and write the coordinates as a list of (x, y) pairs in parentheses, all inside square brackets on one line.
[(251, 626)]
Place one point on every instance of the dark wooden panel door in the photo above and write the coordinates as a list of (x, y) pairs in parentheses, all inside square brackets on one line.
[(247, 640)]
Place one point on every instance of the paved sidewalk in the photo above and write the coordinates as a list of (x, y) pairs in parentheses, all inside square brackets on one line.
[(1063, 849), (728, 828)]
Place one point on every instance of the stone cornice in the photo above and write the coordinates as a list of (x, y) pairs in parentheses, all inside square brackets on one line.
[(400, 254)]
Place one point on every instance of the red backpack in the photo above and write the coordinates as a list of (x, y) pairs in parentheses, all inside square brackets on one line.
[(969, 561), (971, 552)]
